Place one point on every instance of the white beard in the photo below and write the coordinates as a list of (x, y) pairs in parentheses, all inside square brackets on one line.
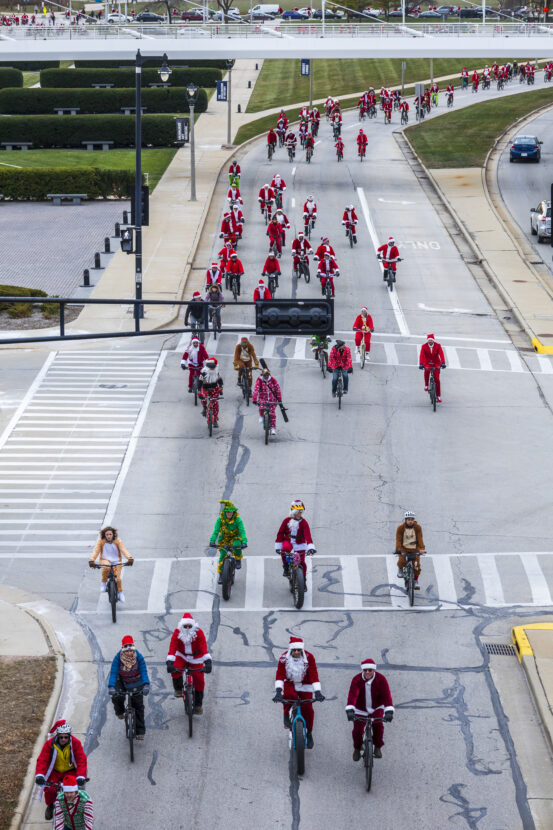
[(296, 668), (210, 377), (293, 525), (187, 634)]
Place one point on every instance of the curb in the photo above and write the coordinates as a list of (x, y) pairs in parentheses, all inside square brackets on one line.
[(527, 659)]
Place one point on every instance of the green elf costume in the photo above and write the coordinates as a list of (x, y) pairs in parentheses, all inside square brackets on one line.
[(228, 532)]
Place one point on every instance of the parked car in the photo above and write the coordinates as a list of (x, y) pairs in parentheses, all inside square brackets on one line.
[(428, 14), (525, 148), (192, 16), (374, 12), (149, 17), (233, 15), (540, 220), (444, 10), (329, 15), (264, 11), (115, 17), (469, 13), (395, 13), (294, 14)]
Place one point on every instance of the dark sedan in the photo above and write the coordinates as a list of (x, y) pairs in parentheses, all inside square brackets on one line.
[(294, 14), (525, 148), (149, 17)]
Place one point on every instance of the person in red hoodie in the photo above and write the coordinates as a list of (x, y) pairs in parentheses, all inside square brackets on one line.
[(274, 232), (235, 270), (432, 358), (61, 755), (272, 266), (188, 647), (369, 696), (297, 677), (349, 219)]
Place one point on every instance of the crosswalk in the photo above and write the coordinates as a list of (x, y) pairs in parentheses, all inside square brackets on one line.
[(64, 449), (390, 353), (341, 583)]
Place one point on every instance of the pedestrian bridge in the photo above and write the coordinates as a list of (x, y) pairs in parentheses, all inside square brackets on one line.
[(281, 40)]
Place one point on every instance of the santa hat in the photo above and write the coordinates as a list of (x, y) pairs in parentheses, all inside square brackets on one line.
[(69, 784), (212, 360), (127, 641), (187, 619), (390, 239), (196, 294), (364, 308), (261, 283), (430, 337), (295, 642), (213, 265), (368, 664)]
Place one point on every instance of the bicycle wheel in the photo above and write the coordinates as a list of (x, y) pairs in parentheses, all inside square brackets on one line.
[(188, 696), (306, 273), (350, 234), (432, 392), (112, 596), (362, 354), (368, 757), (210, 422), (390, 279), (195, 388), (299, 746), (339, 390), (235, 290), (227, 579), (266, 425), (299, 588), (322, 362), (131, 731), (410, 583)]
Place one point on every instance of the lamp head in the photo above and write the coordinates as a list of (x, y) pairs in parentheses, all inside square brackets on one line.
[(164, 70)]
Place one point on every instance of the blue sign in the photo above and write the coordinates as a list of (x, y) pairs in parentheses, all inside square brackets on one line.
[(305, 66), (222, 91)]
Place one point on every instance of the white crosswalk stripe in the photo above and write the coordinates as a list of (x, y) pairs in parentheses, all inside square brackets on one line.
[(401, 353), (66, 447)]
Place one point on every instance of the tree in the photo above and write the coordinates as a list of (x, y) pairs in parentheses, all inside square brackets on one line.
[(225, 6)]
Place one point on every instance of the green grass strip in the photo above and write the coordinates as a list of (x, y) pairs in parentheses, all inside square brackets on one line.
[(463, 138)]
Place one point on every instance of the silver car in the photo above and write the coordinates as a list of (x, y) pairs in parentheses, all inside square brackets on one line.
[(540, 220)]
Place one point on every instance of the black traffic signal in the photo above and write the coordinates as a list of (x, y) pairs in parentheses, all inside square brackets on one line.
[(127, 240), (294, 317), (145, 206)]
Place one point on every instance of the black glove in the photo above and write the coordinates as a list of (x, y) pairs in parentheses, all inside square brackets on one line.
[(350, 371), (350, 714), (278, 696), (421, 366), (170, 666), (388, 716), (40, 780), (319, 696), (208, 665), (81, 781), (111, 691), (443, 366), (146, 689), (397, 553), (212, 545)]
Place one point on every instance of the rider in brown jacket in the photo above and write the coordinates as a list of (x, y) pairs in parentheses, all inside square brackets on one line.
[(245, 358), (409, 540)]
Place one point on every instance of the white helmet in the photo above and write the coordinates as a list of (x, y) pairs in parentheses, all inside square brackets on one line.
[(310, 198), (409, 515)]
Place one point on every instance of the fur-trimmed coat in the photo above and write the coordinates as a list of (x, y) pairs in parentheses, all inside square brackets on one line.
[(418, 538)]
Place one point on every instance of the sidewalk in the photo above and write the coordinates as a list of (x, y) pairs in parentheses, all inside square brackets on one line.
[(44, 628), (170, 241), (534, 646)]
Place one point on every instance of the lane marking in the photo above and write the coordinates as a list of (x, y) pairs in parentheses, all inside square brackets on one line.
[(452, 357), (207, 585), (540, 590), (398, 597), (398, 312), (493, 590), (269, 346), (299, 349), (159, 586), (391, 354), (445, 587), (255, 579), (515, 361), (545, 364), (351, 581), (484, 360), (26, 398)]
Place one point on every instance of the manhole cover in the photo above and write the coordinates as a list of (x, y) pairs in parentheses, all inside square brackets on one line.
[(503, 649)]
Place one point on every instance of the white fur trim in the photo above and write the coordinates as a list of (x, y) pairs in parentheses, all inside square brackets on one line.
[(316, 687), (299, 645), (279, 684), (72, 789), (278, 546), (368, 666)]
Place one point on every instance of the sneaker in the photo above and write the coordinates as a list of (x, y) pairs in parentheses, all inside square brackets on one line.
[(399, 573), (417, 587), (345, 392), (355, 240), (103, 587), (260, 419), (377, 752), (176, 693), (310, 741), (49, 812), (367, 356), (198, 710), (121, 717), (286, 571), (220, 580), (140, 737), (356, 754), (238, 564), (273, 431), (426, 388), (190, 390), (121, 597)]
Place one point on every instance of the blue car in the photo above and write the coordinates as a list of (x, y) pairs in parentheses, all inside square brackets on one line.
[(525, 148), (294, 14)]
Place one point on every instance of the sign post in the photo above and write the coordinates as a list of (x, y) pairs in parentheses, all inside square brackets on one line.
[(183, 130), (305, 72)]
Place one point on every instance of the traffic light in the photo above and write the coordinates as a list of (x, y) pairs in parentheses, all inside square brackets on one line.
[(127, 240), (294, 317), (145, 206)]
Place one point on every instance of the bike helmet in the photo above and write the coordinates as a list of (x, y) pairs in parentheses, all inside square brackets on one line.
[(211, 362), (61, 727), (339, 344), (409, 515), (310, 198), (297, 505)]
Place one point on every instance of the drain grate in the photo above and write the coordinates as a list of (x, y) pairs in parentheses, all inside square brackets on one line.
[(504, 649)]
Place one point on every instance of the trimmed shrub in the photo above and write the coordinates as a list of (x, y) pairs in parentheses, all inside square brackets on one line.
[(220, 64), (31, 66), (11, 78), (57, 78), (43, 101), (56, 131), (18, 309), (34, 183)]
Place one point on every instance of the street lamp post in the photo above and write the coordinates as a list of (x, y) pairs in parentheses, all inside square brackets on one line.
[(192, 93), (229, 106), (164, 73)]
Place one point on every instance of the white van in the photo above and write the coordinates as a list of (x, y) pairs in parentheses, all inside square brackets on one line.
[(265, 11)]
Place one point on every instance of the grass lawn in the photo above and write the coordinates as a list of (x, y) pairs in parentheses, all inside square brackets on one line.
[(279, 82), (463, 138), (154, 161), (30, 78)]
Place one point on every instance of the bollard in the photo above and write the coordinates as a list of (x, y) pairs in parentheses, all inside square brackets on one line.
[(107, 249), (117, 230), (86, 279), (125, 217), (97, 262), (257, 66), (249, 84), (239, 108)]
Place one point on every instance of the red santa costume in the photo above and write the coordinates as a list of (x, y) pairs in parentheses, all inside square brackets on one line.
[(229, 228), (369, 697), (327, 270), (233, 195), (282, 219), (188, 647), (309, 210), (274, 232), (213, 275), (193, 359), (52, 761), (278, 184), (324, 247), (298, 678), (272, 266), (363, 325), (237, 218), (261, 292), (234, 169), (300, 247), (225, 253), (432, 358), (349, 219), (294, 534), (266, 197), (389, 254), (361, 142)]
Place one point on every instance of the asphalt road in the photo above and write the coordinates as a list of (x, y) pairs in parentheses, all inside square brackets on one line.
[(476, 473)]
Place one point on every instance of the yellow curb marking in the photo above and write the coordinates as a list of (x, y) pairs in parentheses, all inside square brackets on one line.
[(521, 641), (540, 348)]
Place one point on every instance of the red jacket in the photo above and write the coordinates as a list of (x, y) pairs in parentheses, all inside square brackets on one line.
[(272, 266), (363, 324), (235, 267), (339, 361), (297, 532), (257, 294), (361, 139), (237, 217), (282, 219), (195, 652), (328, 267), (389, 252), (312, 212), (275, 186), (200, 356), (379, 692), (431, 358), (224, 254), (310, 681), (213, 277), (301, 247), (274, 230), (349, 216), (233, 195), (47, 758), (234, 169), (229, 226), (322, 250), (266, 194)]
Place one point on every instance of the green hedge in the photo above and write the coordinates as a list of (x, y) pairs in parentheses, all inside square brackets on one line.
[(221, 64), (56, 131), (43, 101), (36, 182), (31, 66), (125, 77), (11, 78)]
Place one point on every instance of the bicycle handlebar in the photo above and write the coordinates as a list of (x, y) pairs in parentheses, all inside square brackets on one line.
[(298, 700), (120, 565)]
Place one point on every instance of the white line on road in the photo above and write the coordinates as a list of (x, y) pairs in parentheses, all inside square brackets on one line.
[(545, 365), (159, 586), (540, 590), (351, 581), (452, 357), (491, 581), (293, 203), (255, 578), (299, 349), (207, 585), (391, 353), (445, 587), (398, 312), (269, 346), (514, 361), (293, 171), (398, 597), (25, 400), (484, 359)]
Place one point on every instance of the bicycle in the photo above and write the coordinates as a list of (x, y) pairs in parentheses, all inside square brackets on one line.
[(362, 152), (336, 131), (308, 154), (432, 389), (404, 117), (387, 116), (362, 349), (372, 111), (196, 386), (349, 232), (278, 198), (235, 286), (500, 84), (303, 268), (297, 738), (227, 570), (130, 721), (408, 574), (244, 380), (267, 211), (280, 134), (327, 292), (188, 696), (58, 786), (322, 356), (362, 113), (291, 154), (111, 587), (388, 273), (296, 577), (215, 319), (464, 82), (198, 329), (272, 284), (270, 151), (339, 154), (450, 100), (210, 414), (530, 79), (309, 225), (367, 752)]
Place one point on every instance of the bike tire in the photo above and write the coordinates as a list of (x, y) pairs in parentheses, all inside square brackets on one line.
[(210, 423), (350, 234), (266, 426), (363, 357), (299, 746), (299, 588), (390, 281), (322, 362), (339, 390), (411, 584), (195, 388), (226, 573), (112, 595), (131, 732), (368, 760), (189, 708), (432, 391), (306, 273), (235, 290)]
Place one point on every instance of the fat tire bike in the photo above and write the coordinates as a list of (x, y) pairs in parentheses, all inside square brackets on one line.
[(189, 697), (297, 738), (228, 569), (340, 387), (296, 577), (303, 268)]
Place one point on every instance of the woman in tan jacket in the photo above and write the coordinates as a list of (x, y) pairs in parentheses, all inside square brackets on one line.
[(111, 550)]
